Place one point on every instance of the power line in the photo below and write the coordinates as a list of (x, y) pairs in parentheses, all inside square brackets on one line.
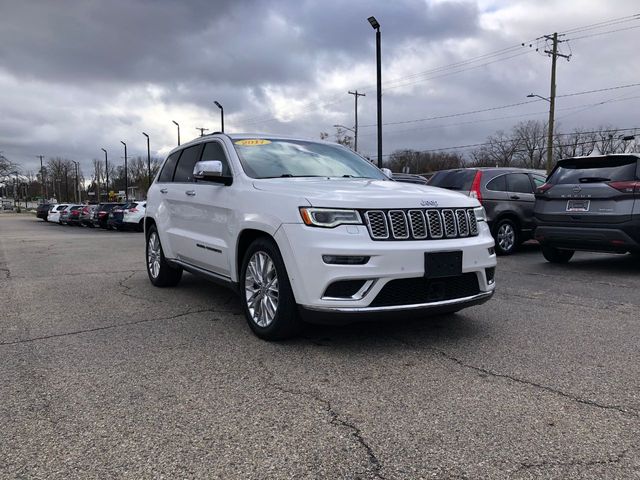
[(602, 33)]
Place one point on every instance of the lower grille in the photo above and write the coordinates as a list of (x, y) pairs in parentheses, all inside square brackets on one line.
[(343, 288), (409, 291)]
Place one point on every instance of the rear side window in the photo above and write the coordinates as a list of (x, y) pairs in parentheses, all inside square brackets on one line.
[(166, 175), (188, 159), (519, 182), (453, 179), (498, 184), (595, 169)]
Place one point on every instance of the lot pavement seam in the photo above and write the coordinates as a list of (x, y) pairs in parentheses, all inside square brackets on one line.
[(108, 327), (335, 418), (592, 403)]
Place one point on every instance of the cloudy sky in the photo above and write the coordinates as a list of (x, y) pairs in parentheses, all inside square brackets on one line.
[(76, 76)]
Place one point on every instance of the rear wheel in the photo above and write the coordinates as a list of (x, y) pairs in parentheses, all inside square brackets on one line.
[(506, 236), (161, 273), (268, 302), (556, 255)]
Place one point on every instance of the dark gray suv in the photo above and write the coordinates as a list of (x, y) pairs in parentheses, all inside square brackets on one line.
[(590, 203), (507, 194)]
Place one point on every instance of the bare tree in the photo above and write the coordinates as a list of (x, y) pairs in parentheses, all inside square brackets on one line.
[(7, 167), (413, 161), (609, 140), (574, 144), (531, 140), (497, 152)]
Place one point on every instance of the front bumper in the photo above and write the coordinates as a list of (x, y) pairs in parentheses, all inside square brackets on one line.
[(303, 248)]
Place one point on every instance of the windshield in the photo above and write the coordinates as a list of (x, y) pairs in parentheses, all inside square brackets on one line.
[(262, 158)]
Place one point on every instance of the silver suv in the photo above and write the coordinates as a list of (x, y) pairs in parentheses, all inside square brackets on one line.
[(590, 203)]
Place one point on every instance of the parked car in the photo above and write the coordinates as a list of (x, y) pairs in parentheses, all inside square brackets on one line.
[(590, 203), (43, 210), (115, 217), (311, 228), (410, 178), (54, 212), (133, 216), (101, 214), (86, 215), (507, 194), (72, 216), (64, 214)]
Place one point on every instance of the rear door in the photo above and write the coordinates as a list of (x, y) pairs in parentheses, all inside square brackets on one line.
[(591, 190), (495, 196), (521, 197)]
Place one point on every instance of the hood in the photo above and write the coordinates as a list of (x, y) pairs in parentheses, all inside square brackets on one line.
[(364, 193)]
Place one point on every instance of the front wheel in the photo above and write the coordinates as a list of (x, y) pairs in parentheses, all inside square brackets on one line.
[(267, 298), (506, 237), (161, 273), (556, 255)]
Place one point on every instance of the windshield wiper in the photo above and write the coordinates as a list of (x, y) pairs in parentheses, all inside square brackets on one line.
[(290, 175), (593, 179)]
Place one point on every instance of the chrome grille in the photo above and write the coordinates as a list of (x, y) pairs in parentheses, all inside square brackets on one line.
[(418, 224), (449, 223), (435, 223), (473, 223), (377, 224), (399, 227), (463, 225)]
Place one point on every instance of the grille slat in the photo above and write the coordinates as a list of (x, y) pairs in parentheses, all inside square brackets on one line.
[(419, 224)]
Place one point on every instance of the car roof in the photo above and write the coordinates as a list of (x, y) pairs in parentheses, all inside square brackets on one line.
[(494, 169)]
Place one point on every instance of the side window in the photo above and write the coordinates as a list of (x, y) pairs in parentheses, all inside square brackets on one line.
[(519, 182), (188, 159), (214, 151), (166, 175), (498, 184)]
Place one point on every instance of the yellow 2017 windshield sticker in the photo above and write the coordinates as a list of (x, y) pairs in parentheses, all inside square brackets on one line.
[(252, 142)]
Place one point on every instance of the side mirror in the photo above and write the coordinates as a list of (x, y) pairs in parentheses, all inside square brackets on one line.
[(387, 172), (211, 170)]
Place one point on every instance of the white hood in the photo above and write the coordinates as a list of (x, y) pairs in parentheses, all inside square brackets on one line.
[(364, 193)]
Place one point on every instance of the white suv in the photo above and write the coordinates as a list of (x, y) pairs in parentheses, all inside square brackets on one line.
[(311, 230)]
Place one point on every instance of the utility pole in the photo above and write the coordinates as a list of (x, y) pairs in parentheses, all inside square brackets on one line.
[(355, 96), (106, 171), (43, 186), (552, 96), (126, 174), (202, 130)]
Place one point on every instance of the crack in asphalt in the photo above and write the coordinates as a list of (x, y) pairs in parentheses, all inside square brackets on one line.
[(6, 271), (574, 463), (630, 411), (109, 327), (127, 289), (335, 419)]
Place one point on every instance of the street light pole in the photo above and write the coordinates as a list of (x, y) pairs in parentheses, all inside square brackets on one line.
[(126, 174), (177, 125), (148, 163), (221, 114), (374, 23), (76, 194), (106, 169)]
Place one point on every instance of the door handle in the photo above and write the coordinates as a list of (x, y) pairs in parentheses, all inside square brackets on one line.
[(515, 197), (191, 193), (163, 190)]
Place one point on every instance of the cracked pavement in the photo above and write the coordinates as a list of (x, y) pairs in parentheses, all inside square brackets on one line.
[(105, 376)]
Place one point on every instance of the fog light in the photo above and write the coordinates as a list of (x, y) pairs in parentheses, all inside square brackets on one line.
[(492, 251), (345, 259), (490, 273)]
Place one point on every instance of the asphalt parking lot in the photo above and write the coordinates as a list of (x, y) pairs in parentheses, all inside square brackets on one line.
[(103, 375)]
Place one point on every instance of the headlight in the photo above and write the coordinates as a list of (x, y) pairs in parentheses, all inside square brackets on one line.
[(329, 217), (481, 215)]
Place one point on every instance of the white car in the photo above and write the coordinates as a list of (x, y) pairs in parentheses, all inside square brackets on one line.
[(54, 212), (311, 230), (133, 215)]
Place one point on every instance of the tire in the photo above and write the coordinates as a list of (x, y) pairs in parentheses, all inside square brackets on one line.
[(506, 236), (141, 225), (267, 298), (555, 255), (161, 273)]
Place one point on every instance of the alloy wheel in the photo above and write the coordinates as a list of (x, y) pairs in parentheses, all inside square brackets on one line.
[(261, 289), (153, 255), (506, 237)]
